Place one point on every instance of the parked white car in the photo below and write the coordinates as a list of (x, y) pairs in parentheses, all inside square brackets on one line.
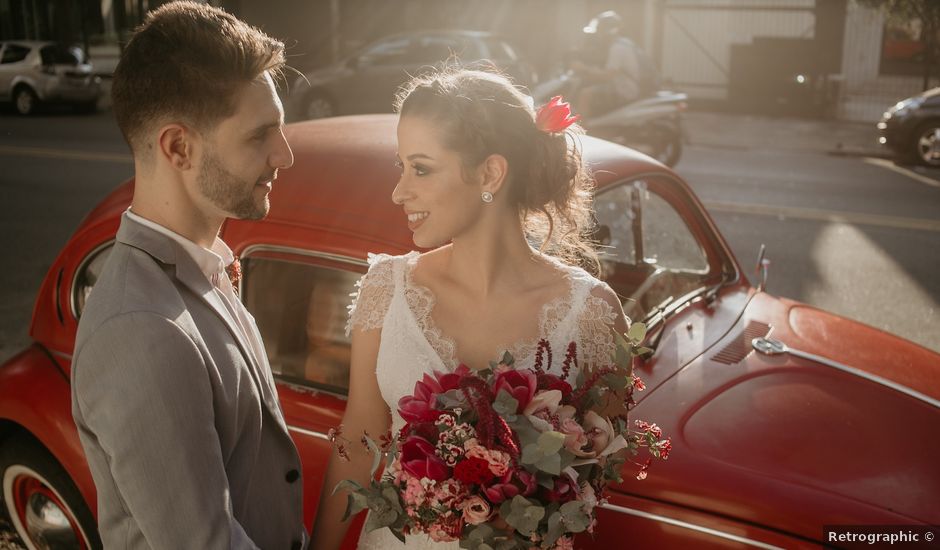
[(35, 72)]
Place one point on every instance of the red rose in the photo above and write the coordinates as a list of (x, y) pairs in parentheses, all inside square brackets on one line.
[(518, 383), (563, 491), (552, 382), (473, 470), (418, 459)]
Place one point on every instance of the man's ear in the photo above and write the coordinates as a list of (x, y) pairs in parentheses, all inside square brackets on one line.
[(176, 145), (494, 170)]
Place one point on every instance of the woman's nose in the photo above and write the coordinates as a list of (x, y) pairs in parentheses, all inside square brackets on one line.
[(400, 194)]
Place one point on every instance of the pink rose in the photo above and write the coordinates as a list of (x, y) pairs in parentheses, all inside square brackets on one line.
[(575, 438), (518, 383), (418, 459), (475, 510)]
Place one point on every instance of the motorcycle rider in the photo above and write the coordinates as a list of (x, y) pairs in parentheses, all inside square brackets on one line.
[(613, 70)]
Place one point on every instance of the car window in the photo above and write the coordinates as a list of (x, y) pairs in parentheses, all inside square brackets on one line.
[(430, 50), (87, 275), (649, 255), (60, 55), (14, 54), (499, 49), (393, 51), (301, 311)]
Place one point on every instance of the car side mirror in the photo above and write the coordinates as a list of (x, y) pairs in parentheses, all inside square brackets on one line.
[(763, 266)]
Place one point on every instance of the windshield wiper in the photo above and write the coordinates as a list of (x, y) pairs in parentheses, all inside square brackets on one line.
[(709, 294)]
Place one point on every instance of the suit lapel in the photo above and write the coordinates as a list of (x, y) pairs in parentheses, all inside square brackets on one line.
[(167, 251)]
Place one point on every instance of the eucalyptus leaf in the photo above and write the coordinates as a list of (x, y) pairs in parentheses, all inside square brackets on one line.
[(555, 528), (550, 464), (376, 455), (532, 454), (505, 405), (551, 442), (524, 516), (637, 332), (347, 485), (391, 495), (576, 518), (507, 359), (451, 399)]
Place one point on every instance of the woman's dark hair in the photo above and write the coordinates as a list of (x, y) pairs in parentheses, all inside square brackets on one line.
[(481, 113)]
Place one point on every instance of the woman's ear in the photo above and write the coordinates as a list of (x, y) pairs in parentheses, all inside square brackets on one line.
[(494, 170)]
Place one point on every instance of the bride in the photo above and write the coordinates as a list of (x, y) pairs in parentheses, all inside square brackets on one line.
[(480, 181)]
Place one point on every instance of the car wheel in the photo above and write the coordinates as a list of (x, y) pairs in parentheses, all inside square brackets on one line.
[(25, 100), (927, 143), (45, 507), (86, 107), (318, 106)]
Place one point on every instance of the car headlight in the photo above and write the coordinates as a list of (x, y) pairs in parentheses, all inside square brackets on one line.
[(902, 108)]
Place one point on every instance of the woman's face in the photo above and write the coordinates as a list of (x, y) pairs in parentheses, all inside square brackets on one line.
[(439, 204)]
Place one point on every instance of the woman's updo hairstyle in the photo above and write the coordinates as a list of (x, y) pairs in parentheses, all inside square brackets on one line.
[(481, 113)]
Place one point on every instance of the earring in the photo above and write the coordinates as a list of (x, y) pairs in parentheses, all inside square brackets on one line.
[(487, 197)]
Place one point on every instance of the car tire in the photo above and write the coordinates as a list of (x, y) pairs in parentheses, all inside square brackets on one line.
[(86, 107), (45, 506), (317, 105), (925, 146), (25, 100)]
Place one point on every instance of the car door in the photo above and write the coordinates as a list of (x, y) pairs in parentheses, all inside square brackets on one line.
[(298, 299), (11, 62)]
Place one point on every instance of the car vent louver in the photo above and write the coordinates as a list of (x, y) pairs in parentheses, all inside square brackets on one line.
[(737, 350)]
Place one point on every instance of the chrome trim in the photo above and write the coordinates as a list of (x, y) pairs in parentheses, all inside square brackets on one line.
[(81, 268), (690, 526), (302, 252), (318, 435), (771, 346)]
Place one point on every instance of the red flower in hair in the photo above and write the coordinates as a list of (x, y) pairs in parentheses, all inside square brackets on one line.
[(555, 116)]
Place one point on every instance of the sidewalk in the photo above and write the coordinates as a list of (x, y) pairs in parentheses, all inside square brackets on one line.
[(738, 131)]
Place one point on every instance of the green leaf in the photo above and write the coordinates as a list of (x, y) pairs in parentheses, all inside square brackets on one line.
[(555, 528), (550, 464), (451, 399), (347, 485), (505, 405), (507, 359), (637, 332), (376, 455), (576, 519), (551, 442), (524, 515)]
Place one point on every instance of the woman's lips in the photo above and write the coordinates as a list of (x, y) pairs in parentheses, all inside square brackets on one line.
[(416, 219)]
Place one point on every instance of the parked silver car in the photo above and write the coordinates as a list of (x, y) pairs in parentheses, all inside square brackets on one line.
[(34, 72)]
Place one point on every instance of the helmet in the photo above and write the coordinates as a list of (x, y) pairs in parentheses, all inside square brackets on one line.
[(606, 23)]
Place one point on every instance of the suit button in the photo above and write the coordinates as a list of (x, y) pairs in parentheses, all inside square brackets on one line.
[(296, 546), (292, 476)]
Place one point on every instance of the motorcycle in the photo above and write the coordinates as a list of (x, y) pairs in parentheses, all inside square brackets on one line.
[(651, 125)]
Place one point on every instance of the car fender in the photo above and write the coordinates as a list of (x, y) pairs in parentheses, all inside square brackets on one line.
[(28, 81), (35, 397)]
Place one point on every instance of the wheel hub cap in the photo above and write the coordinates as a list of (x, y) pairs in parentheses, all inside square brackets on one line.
[(39, 514)]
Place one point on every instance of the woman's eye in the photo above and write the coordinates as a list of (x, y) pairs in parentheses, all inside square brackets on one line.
[(419, 170)]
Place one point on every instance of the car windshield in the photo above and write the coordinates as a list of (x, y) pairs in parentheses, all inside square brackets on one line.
[(61, 55), (650, 257)]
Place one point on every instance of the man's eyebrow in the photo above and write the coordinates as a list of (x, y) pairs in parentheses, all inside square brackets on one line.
[(262, 128)]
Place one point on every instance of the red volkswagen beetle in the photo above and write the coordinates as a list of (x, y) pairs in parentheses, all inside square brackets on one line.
[(783, 418)]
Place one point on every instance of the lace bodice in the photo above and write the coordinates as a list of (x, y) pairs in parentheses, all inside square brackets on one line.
[(411, 345)]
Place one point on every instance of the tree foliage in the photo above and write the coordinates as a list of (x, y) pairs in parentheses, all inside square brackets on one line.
[(927, 12)]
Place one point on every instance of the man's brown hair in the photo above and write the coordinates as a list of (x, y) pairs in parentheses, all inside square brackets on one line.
[(186, 62)]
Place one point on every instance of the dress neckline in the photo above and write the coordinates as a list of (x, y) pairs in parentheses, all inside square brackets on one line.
[(420, 302)]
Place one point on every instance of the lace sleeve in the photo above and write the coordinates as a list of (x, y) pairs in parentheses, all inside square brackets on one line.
[(598, 324), (373, 295)]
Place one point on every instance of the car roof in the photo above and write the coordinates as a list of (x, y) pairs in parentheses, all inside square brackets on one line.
[(28, 43), (344, 172)]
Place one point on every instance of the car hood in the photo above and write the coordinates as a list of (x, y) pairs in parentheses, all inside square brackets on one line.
[(794, 443)]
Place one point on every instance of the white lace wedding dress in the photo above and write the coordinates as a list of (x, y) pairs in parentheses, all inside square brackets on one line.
[(411, 345)]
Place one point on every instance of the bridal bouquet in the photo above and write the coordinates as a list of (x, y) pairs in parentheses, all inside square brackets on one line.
[(506, 458)]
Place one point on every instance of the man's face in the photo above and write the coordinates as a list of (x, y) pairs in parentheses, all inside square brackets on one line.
[(243, 153)]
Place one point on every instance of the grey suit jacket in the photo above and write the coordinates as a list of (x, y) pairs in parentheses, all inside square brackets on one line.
[(181, 427)]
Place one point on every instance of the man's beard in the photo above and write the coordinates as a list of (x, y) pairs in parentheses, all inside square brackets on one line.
[(230, 193)]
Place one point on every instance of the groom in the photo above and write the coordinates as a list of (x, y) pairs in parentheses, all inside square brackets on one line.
[(172, 393)]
